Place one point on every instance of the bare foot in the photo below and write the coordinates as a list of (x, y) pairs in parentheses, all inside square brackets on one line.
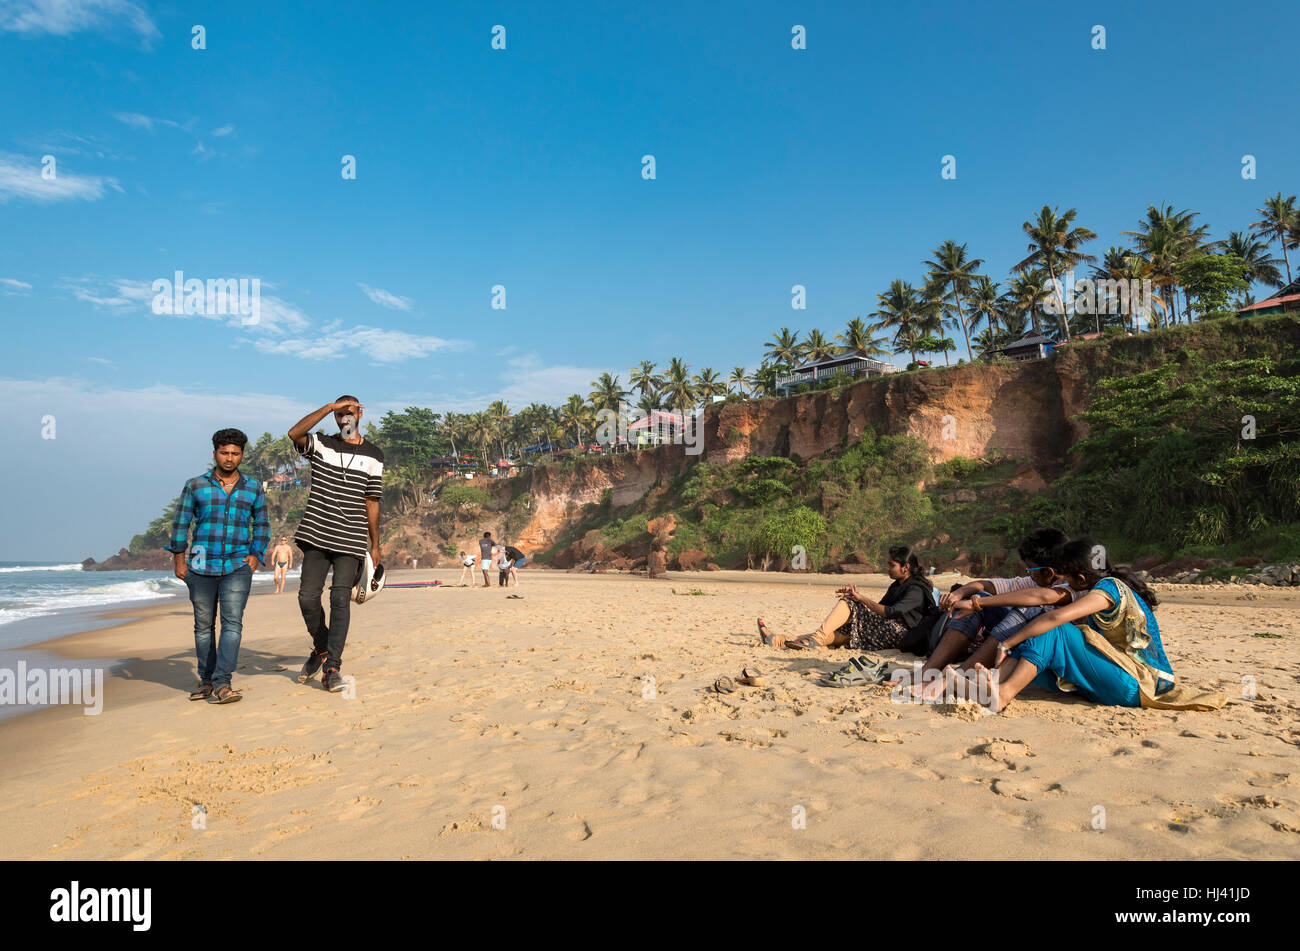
[(986, 683)]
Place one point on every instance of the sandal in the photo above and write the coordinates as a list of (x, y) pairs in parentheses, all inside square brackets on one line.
[(204, 691), (858, 672), (724, 686), (225, 694), (752, 677), (765, 635), (806, 643)]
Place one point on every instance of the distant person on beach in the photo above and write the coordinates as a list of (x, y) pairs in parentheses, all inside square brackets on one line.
[(281, 561), (1115, 657), (231, 532), (338, 529), (466, 565), (486, 552), (514, 561), (501, 564), (861, 624)]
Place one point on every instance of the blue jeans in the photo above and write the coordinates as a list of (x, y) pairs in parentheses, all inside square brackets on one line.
[(218, 659), (998, 623)]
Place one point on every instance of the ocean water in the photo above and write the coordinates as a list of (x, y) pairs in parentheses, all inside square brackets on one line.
[(38, 601)]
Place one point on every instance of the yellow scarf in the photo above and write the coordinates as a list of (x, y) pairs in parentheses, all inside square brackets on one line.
[(1120, 632)]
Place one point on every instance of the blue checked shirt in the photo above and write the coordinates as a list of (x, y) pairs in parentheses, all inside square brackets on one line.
[(227, 528)]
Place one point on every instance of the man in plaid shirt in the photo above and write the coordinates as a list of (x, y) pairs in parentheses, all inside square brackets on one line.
[(231, 532)]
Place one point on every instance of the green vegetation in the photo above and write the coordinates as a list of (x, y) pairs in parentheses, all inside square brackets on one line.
[(466, 499)]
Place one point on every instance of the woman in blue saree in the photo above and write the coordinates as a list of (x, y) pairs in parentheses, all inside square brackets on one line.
[(1114, 657)]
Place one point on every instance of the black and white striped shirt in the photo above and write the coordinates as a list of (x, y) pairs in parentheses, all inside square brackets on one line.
[(343, 476)]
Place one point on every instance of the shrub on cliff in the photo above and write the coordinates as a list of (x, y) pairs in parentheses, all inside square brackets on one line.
[(465, 499)]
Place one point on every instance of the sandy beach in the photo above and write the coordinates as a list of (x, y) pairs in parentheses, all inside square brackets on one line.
[(576, 722)]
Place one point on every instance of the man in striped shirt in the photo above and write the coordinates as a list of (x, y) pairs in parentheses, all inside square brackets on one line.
[(231, 532), (339, 527)]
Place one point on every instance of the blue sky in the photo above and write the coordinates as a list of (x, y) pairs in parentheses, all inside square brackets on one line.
[(522, 167)]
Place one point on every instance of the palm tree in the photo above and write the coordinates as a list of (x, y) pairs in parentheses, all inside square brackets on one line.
[(857, 338), (708, 385), (956, 272), (1166, 240), (678, 389), (782, 348), (764, 380), (817, 347), (644, 379), (453, 424), (1254, 254), (907, 312), (648, 403), (478, 430), (1026, 294), (574, 414), (1279, 220), (498, 419), (739, 379), (1054, 245), (986, 304), (606, 393)]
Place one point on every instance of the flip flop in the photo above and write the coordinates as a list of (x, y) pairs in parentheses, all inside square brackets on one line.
[(765, 635), (519, 596), (724, 686), (204, 691), (752, 677), (225, 694)]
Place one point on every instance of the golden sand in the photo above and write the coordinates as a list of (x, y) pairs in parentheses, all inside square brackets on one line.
[(576, 722)]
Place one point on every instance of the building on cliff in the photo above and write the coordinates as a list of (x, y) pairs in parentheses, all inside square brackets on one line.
[(854, 363), (1032, 346), (1280, 301)]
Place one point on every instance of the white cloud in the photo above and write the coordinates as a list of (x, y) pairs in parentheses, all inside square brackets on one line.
[(10, 286), (275, 315), (525, 380), (104, 361), (381, 346), (223, 131), (384, 299), (20, 177), (138, 121), (65, 17)]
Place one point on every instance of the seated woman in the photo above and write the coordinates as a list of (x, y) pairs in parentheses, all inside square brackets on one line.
[(861, 624), (1116, 658)]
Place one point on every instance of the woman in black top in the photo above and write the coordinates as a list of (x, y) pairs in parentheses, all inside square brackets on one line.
[(859, 623)]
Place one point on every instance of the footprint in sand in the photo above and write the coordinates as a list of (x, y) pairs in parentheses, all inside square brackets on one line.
[(1027, 790), (1268, 780), (992, 753), (358, 807)]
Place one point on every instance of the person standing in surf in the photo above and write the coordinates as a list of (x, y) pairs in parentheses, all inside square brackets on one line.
[(339, 527), (231, 532)]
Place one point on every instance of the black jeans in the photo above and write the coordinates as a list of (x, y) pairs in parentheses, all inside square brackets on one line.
[(316, 564)]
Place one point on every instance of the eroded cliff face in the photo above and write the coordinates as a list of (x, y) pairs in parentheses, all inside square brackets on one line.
[(1025, 410), (558, 495)]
